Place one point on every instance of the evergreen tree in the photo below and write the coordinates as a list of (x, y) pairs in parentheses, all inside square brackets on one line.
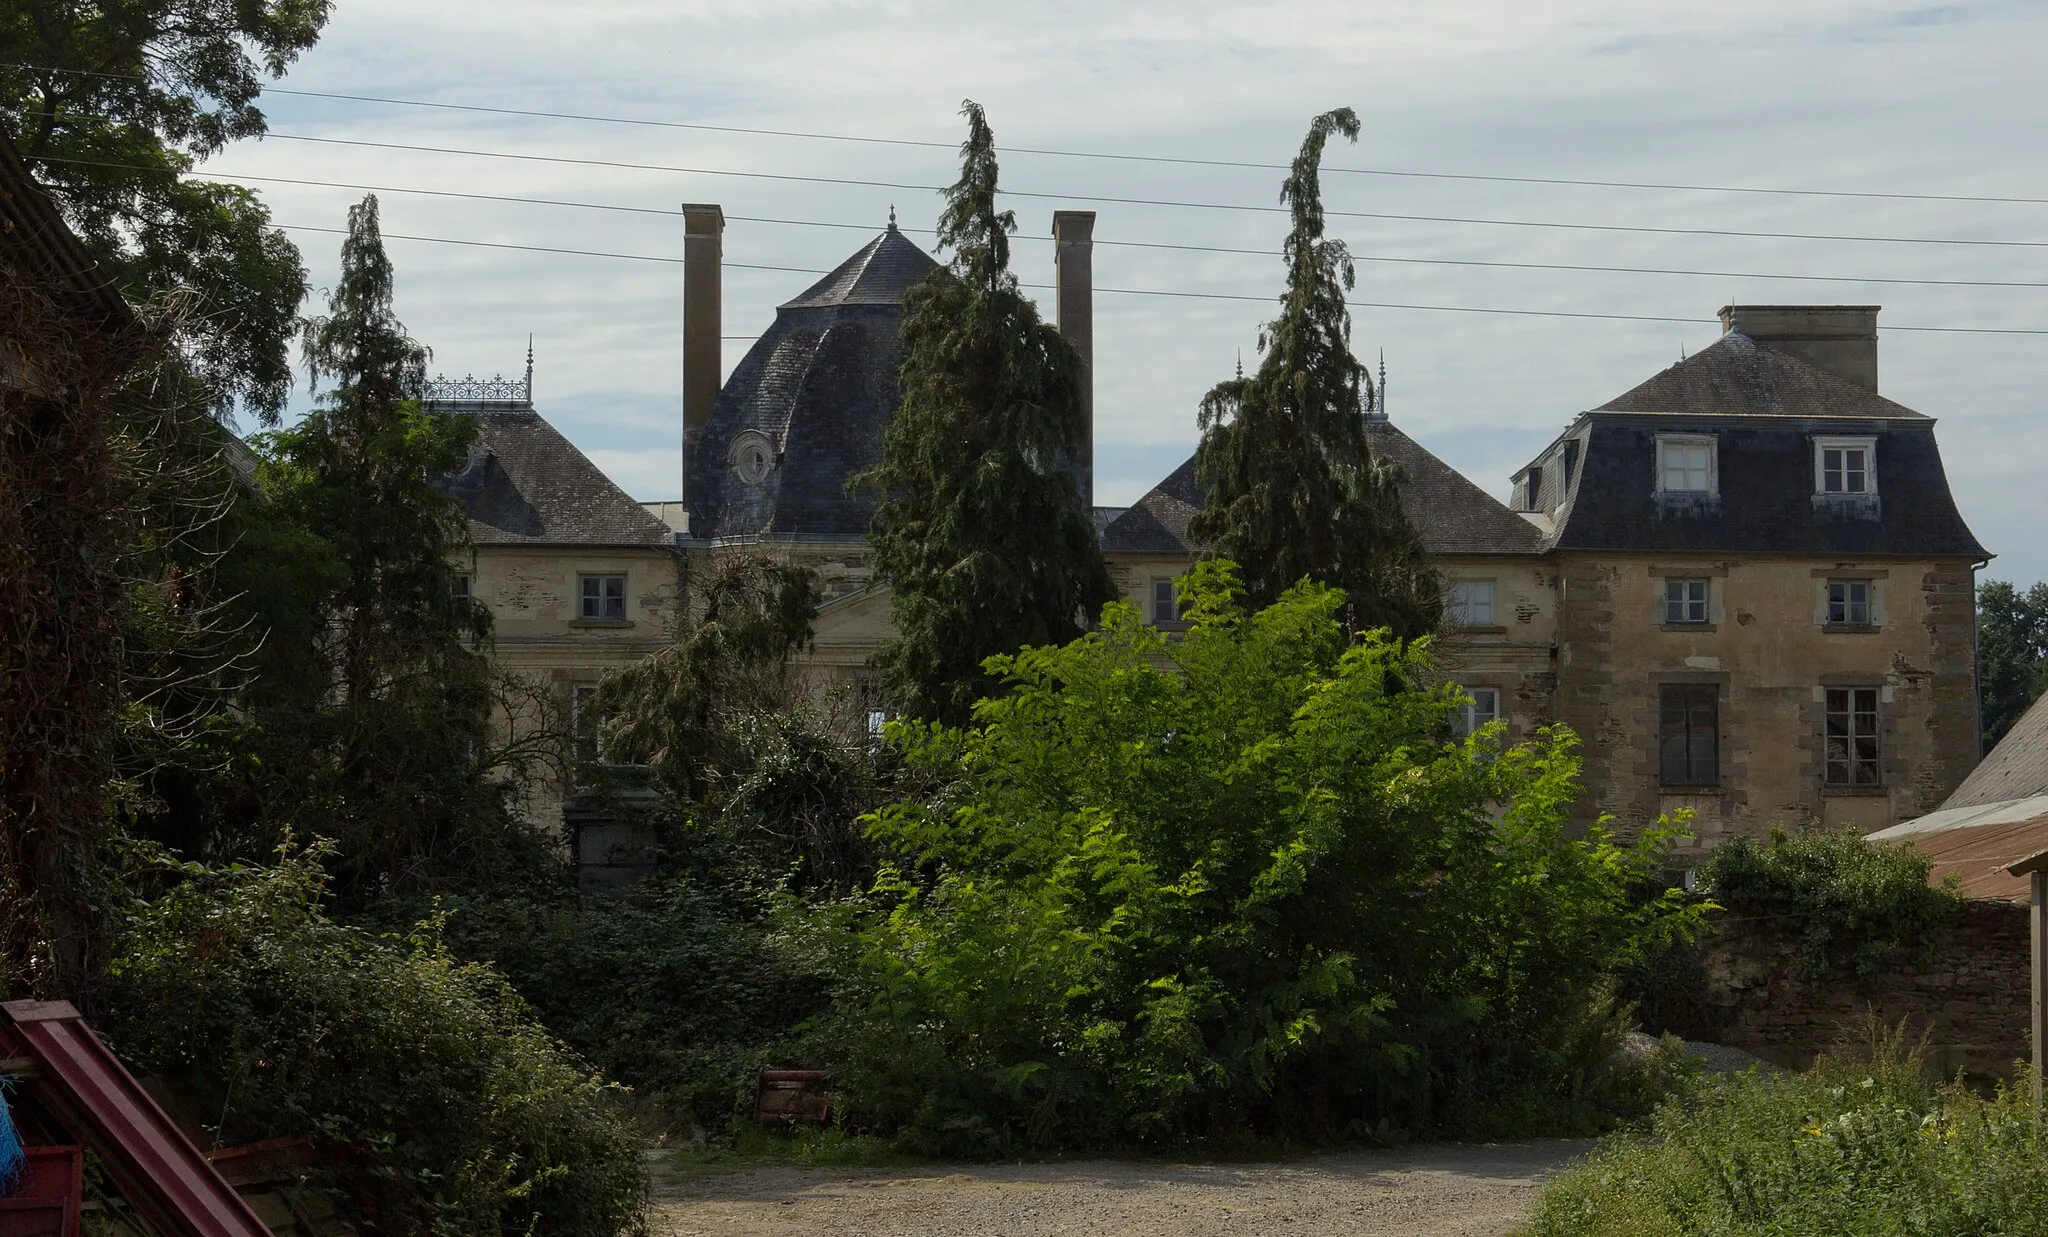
[(1294, 492), (389, 740), (2012, 654), (980, 530)]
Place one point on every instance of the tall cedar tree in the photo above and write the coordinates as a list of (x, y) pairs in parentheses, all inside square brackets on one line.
[(980, 530), (1294, 492), (111, 103), (399, 720)]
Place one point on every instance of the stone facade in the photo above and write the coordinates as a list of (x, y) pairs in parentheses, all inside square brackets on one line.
[(1972, 1000)]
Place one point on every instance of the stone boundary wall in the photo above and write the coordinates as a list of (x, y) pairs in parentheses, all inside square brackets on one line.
[(1972, 999)]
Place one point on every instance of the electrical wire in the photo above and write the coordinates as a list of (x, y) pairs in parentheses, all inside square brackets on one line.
[(592, 118), (235, 177), (1205, 296), (1119, 201)]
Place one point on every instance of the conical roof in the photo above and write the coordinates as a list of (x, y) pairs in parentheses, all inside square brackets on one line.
[(884, 269), (804, 410)]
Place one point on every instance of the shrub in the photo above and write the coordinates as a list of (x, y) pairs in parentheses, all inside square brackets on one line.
[(676, 987), (1855, 903), (439, 1100), (1860, 1144), (1240, 879)]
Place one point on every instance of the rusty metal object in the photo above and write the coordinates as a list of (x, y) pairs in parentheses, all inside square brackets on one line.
[(47, 1201), (149, 1160), (791, 1097)]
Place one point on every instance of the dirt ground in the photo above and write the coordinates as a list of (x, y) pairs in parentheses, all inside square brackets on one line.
[(1452, 1190)]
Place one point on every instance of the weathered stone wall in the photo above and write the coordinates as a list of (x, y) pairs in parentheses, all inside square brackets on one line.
[(1770, 650), (1972, 999)]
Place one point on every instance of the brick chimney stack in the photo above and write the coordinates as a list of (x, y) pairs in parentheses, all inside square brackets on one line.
[(703, 253), (1841, 339), (1073, 259)]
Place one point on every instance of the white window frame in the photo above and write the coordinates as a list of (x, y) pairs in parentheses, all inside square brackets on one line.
[(1679, 601), (1666, 443), (1164, 602), (465, 587), (584, 597), (1848, 731), (1847, 588), (1460, 601), (1821, 447), (1481, 707)]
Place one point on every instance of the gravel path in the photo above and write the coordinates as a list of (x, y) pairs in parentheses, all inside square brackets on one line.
[(1452, 1190)]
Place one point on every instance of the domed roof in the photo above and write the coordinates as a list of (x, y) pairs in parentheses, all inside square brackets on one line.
[(805, 409)]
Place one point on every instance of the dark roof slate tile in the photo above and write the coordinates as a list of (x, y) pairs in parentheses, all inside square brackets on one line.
[(2016, 769), (1737, 375), (528, 485)]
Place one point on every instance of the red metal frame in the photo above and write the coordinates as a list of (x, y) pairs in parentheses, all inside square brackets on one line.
[(155, 1167)]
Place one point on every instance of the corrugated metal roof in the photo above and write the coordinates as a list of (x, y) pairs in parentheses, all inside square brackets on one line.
[(1976, 844)]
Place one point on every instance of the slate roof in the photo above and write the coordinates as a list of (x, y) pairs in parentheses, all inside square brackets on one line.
[(820, 386), (1764, 408), (1453, 515), (36, 242), (528, 485), (1736, 375), (2016, 769)]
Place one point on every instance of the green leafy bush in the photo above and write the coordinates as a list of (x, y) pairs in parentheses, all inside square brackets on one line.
[(1855, 903), (1170, 888), (442, 1104), (1860, 1144), (677, 987)]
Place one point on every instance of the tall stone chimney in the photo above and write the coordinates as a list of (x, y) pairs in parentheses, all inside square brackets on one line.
[(703, 252), (1841, 339), (1073, 261)]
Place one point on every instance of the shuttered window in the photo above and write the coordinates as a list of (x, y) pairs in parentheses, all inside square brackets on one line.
[(1689, 734)]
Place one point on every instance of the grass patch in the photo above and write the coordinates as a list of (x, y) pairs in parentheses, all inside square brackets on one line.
[(1865, 1142)]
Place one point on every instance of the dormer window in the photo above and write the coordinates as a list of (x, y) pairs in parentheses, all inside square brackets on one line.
[(1844, 467), (1686, 464)]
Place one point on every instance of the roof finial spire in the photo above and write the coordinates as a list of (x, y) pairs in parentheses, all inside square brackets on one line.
[(892, 216), (529, 369), (1382, 395), (1240, 362)]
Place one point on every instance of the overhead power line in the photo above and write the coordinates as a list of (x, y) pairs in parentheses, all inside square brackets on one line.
[(1203, 296), (1122, 201), (236, 177), (1181, 160)]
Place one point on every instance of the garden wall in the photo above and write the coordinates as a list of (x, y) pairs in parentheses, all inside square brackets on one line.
[(1744, 986)]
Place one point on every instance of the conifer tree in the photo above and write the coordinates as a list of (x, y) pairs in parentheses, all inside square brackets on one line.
[(395, 727), (1294, 491), (980, 530)]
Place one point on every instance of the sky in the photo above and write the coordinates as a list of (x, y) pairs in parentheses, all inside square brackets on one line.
[(1875, 97)]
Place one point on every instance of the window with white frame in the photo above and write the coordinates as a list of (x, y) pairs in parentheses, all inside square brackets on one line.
[(1685, 464), (604, 598), (1482, 708), (462, 592), (1471, 603), (1685, 601), (1165, 602), (1844, 466), (1852, 738), (1849, 603)]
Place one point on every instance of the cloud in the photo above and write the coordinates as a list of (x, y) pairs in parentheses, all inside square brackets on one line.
[(1891, 97)]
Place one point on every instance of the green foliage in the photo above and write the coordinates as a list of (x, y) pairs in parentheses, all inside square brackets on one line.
[(2012, 654), (1169, 889), (678, 987), (980, 531), (444, 1104), (1294, 492), (1860, 1144), (111, 104), (1856, 904)]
